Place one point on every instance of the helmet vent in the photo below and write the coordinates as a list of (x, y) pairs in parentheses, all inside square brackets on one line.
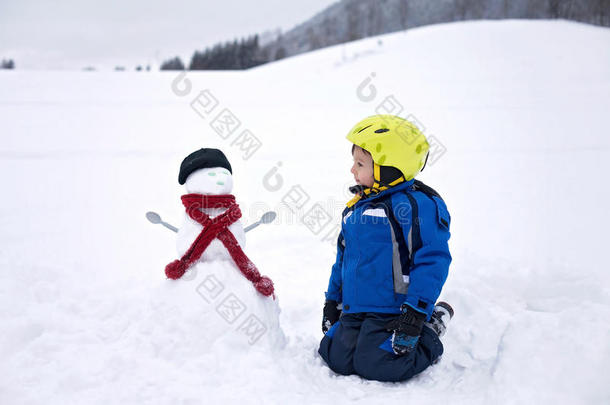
[(365, 128), (381, 130)]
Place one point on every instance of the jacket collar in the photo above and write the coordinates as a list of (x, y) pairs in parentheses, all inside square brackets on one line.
[(405, 185)]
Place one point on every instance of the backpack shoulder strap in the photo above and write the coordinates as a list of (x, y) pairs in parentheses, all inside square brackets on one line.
[(427, 190), (443, 214)]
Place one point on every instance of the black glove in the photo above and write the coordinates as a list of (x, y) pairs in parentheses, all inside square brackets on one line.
[(407, 328), (330, 314)]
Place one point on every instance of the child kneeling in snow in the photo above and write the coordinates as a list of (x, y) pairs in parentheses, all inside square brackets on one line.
[(380, 318)]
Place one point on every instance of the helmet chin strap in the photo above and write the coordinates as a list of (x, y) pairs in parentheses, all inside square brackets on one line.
[(378, 186), (356, 189)]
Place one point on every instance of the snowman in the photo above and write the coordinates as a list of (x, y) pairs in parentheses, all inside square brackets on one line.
[(223, 299)]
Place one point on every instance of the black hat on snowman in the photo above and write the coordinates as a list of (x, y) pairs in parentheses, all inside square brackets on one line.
[(202, 159)]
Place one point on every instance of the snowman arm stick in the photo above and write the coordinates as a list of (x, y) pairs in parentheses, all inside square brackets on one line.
[(267, 218), (252, 226), (169, 226), (155, 218)]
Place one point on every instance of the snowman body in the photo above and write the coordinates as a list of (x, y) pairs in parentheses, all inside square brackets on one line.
[(220, 309)]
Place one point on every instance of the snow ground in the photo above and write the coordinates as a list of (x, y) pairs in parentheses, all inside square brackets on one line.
[(521, 108)]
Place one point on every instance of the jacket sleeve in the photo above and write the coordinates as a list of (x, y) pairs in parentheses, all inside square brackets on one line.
[(427, 233), (334, 291)]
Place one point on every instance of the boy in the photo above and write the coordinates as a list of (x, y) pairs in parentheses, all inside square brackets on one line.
[(380, 318)]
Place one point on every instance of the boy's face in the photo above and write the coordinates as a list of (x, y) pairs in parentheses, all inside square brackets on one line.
[(362, 169)]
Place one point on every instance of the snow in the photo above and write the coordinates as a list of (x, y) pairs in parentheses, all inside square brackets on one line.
[(521, 108)]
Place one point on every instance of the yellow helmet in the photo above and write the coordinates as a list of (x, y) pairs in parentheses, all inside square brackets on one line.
[(392, 141)]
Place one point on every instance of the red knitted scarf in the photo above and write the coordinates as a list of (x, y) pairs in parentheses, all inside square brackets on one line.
[(217, 228)]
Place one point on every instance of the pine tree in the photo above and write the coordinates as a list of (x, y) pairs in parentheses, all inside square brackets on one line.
[(7, 64), (173, 64)]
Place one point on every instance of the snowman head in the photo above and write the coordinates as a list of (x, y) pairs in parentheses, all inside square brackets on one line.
[(206, 171), (210, 181)]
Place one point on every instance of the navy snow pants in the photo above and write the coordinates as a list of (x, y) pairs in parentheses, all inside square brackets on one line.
[(359, 344)]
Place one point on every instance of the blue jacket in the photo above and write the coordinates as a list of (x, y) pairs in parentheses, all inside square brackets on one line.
[(392, 249)]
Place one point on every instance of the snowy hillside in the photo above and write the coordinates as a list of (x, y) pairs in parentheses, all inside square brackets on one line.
[(519, 114)]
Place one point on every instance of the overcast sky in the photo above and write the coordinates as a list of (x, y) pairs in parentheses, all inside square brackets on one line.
[(72, 34)]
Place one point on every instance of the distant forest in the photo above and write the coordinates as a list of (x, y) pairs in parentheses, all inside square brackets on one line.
[(7, 64), (350, 20)]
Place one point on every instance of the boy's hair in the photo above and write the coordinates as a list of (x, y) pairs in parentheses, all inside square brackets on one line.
[(364, 150)]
